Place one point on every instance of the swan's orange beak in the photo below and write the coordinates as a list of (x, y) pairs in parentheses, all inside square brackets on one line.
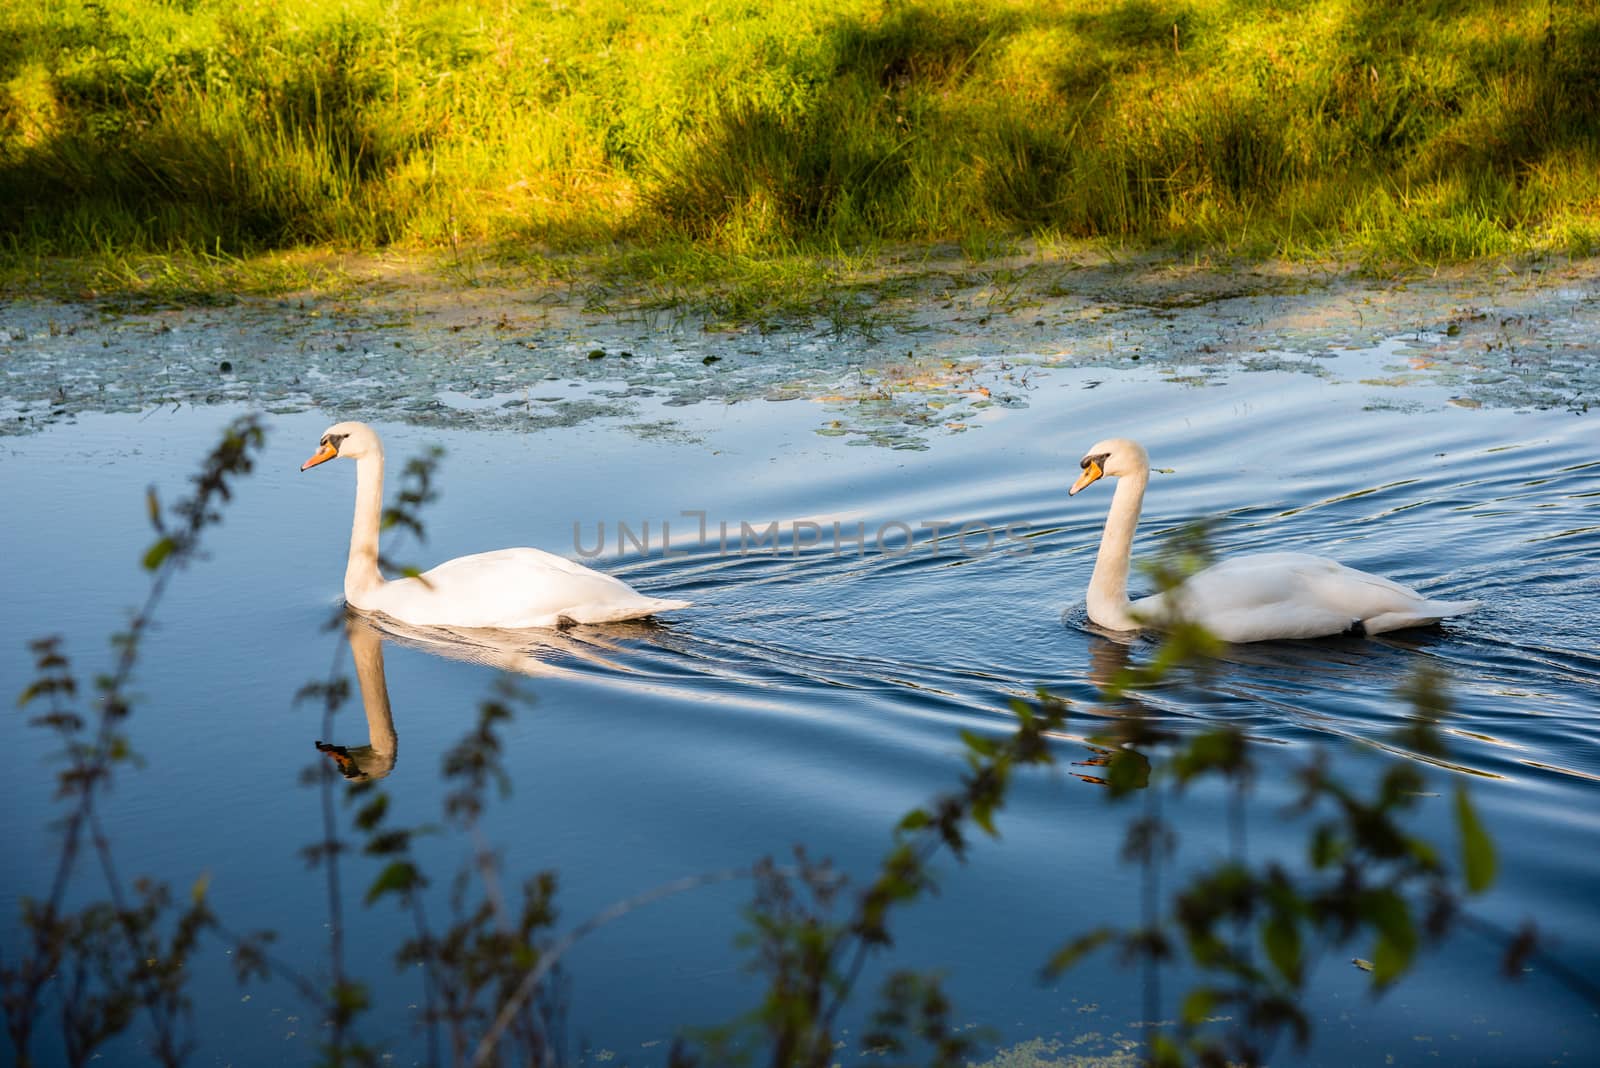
[(323, 455), (1091, 473)]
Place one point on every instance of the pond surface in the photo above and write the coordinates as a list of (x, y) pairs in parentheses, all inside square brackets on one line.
[(814, 691)]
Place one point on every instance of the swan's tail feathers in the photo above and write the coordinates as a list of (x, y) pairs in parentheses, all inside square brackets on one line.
[(1418, 615), (615, 612), (662, 604)]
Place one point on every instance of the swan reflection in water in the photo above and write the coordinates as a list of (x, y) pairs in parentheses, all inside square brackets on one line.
[(1264, 678), (375, 759), (1110, 655), (1213, 690), (1262, 688), (538, 653)]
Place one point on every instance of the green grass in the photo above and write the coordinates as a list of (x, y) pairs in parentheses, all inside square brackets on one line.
[(204, 131)]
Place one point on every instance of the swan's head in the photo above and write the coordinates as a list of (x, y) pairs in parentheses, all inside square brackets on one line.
[(349, 440), (1113, 456)]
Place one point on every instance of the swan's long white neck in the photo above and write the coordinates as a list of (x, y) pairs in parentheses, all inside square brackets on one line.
[(361, 575), (1108, 587)]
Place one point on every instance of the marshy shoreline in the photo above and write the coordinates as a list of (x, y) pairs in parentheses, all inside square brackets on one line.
[(892, 351)]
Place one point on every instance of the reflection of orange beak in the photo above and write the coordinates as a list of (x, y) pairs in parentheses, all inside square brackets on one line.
[(324, 454), (341, 757), (1092, 473)]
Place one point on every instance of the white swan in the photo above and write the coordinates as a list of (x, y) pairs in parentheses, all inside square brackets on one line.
[(508, 588), (1252, 598)]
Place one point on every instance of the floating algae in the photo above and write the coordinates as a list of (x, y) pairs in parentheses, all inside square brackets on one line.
[(944, 356)]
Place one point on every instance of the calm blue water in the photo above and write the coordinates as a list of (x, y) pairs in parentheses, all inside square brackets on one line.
[(812, 696)]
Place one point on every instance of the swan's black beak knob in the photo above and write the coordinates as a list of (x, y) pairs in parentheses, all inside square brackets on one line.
[(1092, 472)]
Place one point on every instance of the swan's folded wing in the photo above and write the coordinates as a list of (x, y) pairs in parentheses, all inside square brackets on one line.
[(1297, 595), (1258, 597), (514, 588)]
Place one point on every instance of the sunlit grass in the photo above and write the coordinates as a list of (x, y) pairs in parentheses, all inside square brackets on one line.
[(678, 135)]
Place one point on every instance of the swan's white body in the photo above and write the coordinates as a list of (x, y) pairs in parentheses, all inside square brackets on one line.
[(1259, 597), (507, 588)]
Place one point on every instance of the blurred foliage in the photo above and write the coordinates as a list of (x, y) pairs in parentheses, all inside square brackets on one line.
[(104, 962), (1253, 931)]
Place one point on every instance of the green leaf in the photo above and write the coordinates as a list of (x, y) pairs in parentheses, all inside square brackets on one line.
[(372, 813), (1164, 1051), (158, 552), (1280, 936), (1218, 750), (1198, 1005), (980, 744), (398, 876), (915, 820), (1389, 961), (1424, 853), (349, 997), (1397, 936), (983, 816), (1075, 950), (1477, 851), (1127, 771), (1327, 847)]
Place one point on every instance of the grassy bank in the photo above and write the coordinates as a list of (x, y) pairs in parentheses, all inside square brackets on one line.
[(1401, 132)]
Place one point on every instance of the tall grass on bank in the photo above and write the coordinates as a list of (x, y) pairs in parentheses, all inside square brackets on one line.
[(1420, 130)]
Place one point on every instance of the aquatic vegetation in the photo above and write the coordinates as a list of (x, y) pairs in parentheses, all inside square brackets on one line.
[(939, 360)]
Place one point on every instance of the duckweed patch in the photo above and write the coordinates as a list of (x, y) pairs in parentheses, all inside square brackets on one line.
[(943, 358)]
